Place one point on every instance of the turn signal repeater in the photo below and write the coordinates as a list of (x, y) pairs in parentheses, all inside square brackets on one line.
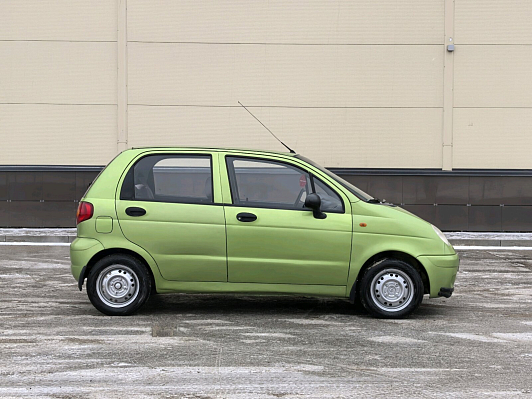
[(85, 211), (362, 224)]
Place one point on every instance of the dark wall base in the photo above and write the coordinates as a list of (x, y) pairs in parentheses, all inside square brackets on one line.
[(475, 200), (455, 201), (42, 197)]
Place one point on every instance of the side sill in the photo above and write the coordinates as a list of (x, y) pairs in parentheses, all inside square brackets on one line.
[(252, 288)]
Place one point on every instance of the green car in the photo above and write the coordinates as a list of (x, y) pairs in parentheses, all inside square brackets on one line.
[(161, 220)]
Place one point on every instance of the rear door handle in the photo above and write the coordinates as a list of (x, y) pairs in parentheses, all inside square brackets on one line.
[(246, 217), (135, 211)]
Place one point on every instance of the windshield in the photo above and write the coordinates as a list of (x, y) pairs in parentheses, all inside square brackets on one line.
[(355, 190)]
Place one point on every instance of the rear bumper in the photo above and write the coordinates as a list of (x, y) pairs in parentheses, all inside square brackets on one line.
[(441, 271), (81, 252)]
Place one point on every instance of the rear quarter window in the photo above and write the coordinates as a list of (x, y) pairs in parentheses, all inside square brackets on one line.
[(169, 178)]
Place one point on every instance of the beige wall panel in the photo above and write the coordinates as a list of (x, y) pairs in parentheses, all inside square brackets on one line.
[(81, 20), (369, 76), (486, 76), (362, 137), (58, 72), (280, 21), (493, 22), (57, 134), (495, 138)]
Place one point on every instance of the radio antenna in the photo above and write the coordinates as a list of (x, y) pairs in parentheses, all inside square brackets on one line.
[(277, 138)]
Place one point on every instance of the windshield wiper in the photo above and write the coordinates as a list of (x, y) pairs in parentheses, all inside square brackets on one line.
[(378, 201)]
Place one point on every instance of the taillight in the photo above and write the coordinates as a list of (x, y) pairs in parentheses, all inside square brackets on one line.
[(85, 211)]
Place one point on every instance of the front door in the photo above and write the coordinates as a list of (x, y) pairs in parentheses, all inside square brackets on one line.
[(272, 238), (167, 207)]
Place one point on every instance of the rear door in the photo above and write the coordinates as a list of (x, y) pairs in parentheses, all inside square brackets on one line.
[(169, 204)]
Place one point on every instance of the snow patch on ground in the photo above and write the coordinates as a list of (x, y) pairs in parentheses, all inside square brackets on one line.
[(514, 336), (396, 340), (488, 236), (38, 232), (273, 335), (314, 322), (207, 321), (450, 235), (35, 244), (474, 337), (488, 248)]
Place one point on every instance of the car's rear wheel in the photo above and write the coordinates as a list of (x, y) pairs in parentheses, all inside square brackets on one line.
[(391, 289), (118, 285)]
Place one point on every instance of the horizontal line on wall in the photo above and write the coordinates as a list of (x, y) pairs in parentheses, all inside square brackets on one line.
[(285, 44), (431, 172), (493, 44), (50, 168), (55, 104), (446, 204), (267, 106), (58, 40), (339, 171), (39, 201), (492, 107), (262, 43), (464, 203), (252, 106)]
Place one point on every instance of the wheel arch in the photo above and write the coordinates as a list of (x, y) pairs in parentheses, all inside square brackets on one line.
[(397, 255), (113, 251)]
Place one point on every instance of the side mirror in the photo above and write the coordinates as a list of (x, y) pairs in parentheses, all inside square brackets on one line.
[(313, 201)]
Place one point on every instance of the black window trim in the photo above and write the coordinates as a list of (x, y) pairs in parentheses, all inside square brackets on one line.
[(130, 171), (232, 178)]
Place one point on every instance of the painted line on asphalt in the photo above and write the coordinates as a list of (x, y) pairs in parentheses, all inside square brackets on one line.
[(486, 248), (35, 244), (458, 247)]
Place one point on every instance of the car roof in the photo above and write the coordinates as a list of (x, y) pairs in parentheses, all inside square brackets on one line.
[(217, 149)]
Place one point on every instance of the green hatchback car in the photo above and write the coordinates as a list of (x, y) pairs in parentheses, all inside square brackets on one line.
[(161, 220)]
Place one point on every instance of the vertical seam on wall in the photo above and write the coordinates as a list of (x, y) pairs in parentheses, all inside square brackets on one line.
[(448, 87), (122, 78)]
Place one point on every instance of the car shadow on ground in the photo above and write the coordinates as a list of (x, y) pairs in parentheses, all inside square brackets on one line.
[(208, 304), (236, 304), (217, 305)]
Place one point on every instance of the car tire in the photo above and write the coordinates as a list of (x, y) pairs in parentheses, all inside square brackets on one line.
[(118, 285), (391, 289)]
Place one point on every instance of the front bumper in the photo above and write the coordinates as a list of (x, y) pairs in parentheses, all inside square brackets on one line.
[(446, 292), (441, 271)]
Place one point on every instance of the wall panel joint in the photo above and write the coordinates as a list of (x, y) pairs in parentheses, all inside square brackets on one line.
[(448, 87), (122, 78)]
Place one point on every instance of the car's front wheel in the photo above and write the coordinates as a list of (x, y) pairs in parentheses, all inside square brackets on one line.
[(391, 289), (118, 285)]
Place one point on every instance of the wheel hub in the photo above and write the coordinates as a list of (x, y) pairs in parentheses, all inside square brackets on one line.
[(117, 286), (392, 290)]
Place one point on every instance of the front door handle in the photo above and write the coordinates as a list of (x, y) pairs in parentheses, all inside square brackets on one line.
[(135, 211), (246, 217)]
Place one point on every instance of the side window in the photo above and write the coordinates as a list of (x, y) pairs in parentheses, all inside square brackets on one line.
[(330, 201), (170, 178), (267, 184)]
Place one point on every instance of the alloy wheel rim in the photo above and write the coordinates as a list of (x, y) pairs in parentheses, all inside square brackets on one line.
[(392, 290), (117, 286)]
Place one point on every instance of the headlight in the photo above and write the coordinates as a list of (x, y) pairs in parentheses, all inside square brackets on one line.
[(441, 235)]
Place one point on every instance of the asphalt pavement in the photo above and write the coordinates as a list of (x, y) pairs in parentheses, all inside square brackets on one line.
[(54, 344)]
